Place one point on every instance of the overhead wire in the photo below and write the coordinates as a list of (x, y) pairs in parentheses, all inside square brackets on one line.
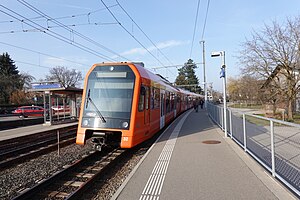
[(19, 31), (146, 35), (179, 65), (51, 27), (208, 2), (195, 27), (41, 53), (53, 34), (38, 65), (69, 29), (32, 64), (143, 32), (39, 18), (83, 14), (112, 14), (85, 24)]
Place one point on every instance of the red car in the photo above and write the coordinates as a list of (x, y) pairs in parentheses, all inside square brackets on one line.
[(25, 111)]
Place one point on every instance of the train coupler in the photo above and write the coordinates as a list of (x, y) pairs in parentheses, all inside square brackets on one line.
[(98, 143)]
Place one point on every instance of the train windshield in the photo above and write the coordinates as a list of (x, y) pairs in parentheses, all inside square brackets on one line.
[(109, 96)]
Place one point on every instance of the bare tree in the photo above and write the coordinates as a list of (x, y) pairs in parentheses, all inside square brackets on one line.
[(273, 55), (245, 89), (66, 77), (25, 80)]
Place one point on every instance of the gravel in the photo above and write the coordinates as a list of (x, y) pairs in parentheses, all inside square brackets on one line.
[(110, 183), (105, 188), (26, 175)]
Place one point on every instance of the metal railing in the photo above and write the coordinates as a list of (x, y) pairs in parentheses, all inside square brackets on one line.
[(275, 144)]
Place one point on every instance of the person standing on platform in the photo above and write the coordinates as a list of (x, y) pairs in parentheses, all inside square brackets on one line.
[(201, 103), (195, 104)]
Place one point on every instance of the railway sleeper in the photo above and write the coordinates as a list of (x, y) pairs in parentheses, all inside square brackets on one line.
[(74, 183), (84, 175), (58, 194)]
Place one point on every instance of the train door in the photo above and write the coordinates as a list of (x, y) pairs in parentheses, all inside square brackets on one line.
[(144, 108), (175, 104), (162, 108)]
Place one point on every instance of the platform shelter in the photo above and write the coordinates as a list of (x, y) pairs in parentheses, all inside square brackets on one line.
[(60, 103)]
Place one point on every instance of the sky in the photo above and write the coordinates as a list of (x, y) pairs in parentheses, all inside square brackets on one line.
[(163, 34)]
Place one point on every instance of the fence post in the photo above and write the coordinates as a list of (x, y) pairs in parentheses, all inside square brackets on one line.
[(222, 118), (230, 123), (272, 147), (244, 129)]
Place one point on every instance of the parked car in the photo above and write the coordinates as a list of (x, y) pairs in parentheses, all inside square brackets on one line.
[(25, 111)]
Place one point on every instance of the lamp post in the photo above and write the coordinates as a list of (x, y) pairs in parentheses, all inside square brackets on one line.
[(223, 75)]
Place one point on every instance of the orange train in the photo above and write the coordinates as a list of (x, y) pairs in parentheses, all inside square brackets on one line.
[(125, 104)]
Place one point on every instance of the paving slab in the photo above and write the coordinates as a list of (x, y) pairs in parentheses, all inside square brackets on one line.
[(181, 166), (28, 130)]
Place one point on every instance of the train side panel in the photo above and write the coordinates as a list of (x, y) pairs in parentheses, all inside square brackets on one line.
[(129, 139)]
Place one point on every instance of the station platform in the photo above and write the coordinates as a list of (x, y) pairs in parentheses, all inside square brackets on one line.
[(28, 130), (180, 166)]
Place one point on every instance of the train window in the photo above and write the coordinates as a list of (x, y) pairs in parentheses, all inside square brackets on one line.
[(172, 101), (152, 98), (141, 98), (110, 93), (147, 98), (168, 105), (156, 98), (162, 110)]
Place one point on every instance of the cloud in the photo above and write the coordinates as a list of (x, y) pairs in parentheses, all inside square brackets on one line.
[(161, 45), (170, 43), (140, 51)]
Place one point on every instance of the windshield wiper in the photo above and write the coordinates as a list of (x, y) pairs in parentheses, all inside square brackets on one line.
[(88, 99)]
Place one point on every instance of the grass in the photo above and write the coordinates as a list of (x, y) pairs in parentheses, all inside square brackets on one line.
[(296, 117), (257, 121), (244, 105)]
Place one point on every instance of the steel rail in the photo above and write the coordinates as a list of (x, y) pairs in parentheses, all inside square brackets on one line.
[(12, 143), (29, 154), (77, 178)]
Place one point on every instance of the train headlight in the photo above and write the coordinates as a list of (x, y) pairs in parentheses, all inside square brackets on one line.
[(85, 122), (111, 68), (125, 124)]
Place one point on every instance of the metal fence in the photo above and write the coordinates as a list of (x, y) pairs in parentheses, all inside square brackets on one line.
[(273, 143)]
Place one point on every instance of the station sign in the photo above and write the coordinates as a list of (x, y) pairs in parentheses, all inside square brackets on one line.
[(43, 86)]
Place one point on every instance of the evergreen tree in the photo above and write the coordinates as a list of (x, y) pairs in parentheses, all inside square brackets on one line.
[(187, 78), (10, 79)]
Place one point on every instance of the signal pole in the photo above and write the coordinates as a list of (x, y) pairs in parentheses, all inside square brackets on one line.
[(204, 76)]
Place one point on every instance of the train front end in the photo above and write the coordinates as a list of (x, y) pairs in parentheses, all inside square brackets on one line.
[(106, 107)]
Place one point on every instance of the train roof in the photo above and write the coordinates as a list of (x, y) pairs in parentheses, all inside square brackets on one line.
[(145, 73), (156, 78)]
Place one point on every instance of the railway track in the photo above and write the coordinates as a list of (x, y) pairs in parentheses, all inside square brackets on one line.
[(33, 146), (12, 143), (71, 182)]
